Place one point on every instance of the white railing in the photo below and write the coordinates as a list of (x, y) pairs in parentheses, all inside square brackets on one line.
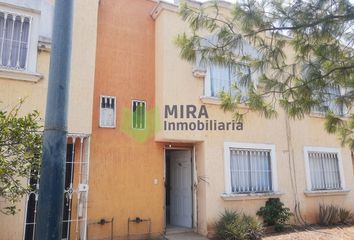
[(75, 193)]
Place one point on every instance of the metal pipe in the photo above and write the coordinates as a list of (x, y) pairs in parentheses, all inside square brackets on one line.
[(52, 174)]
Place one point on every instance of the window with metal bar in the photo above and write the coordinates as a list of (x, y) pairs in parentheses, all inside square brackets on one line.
[(250, 170), (14, 40), (139, 114), (107, 111), (324, 171)]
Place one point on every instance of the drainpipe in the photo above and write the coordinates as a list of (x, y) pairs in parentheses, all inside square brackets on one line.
[(52, 173)]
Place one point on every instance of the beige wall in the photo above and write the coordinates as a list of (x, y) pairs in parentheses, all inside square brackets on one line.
[(175, 84), (83, 66), (81, 91)]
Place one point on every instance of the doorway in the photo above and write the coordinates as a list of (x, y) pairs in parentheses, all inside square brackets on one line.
[(178, 188)]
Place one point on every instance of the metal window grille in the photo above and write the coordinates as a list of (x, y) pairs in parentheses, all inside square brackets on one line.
[(250, 170), (14, 39), (324, 171), (107, 112), (139, 114)]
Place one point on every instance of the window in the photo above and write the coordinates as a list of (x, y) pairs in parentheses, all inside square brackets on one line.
[(14, 40), (323, 169), (224, 78), (107, 112), (328, 103), (250, 168), (139, 114)]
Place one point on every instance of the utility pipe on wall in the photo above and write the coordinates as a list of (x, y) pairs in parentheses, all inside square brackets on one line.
[(52, 173)]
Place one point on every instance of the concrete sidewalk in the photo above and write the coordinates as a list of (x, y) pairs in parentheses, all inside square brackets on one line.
[(185, 236)]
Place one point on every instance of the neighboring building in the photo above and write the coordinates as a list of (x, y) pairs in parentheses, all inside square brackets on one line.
[(25, 43), (148, 127)]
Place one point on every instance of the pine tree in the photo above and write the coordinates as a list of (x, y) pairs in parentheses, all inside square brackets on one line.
[(304, 62)]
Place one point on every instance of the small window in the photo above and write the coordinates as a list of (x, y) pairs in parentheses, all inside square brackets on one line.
[(108, 112), (14, 40), (250, 170), (139, 114), (324, 170), (225, 78), (327, 101)]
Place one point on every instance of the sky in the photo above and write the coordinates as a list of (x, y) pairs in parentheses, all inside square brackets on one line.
[(202, 0)]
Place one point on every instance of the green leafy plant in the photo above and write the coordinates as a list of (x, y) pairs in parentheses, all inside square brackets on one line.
[(236, 226), (275, 214), (20, 152)]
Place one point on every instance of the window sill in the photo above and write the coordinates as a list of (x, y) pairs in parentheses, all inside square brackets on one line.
[(249, 196), (217, 101), (20, 75), (107, 127), (326, 193), (317, 115), (323, 115), (210, 100)]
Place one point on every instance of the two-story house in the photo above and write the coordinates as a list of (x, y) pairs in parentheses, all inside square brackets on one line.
[(164, 156), (152, 147)]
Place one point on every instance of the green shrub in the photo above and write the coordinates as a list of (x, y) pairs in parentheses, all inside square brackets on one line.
[(236, 226), (274, 214)]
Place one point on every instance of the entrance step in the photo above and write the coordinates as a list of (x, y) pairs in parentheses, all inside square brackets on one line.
[(185, 236), (175, 230)]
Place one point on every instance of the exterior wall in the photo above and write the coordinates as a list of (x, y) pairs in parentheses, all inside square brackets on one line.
[(35, 92), (126, 175), (83, 66), (175, 84)]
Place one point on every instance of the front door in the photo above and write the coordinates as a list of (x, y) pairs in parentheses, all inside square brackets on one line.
[(181, 188)]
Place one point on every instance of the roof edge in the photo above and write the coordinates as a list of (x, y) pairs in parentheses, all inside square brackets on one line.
[(163, 5)]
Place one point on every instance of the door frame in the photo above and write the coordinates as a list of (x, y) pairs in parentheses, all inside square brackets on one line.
[(191, 148)]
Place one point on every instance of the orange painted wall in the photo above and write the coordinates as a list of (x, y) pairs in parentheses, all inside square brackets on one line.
[(126, 176)]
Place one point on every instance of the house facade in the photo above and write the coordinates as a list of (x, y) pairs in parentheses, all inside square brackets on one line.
[(197, 161), (296, 161), (150, 151), (126, 173)]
